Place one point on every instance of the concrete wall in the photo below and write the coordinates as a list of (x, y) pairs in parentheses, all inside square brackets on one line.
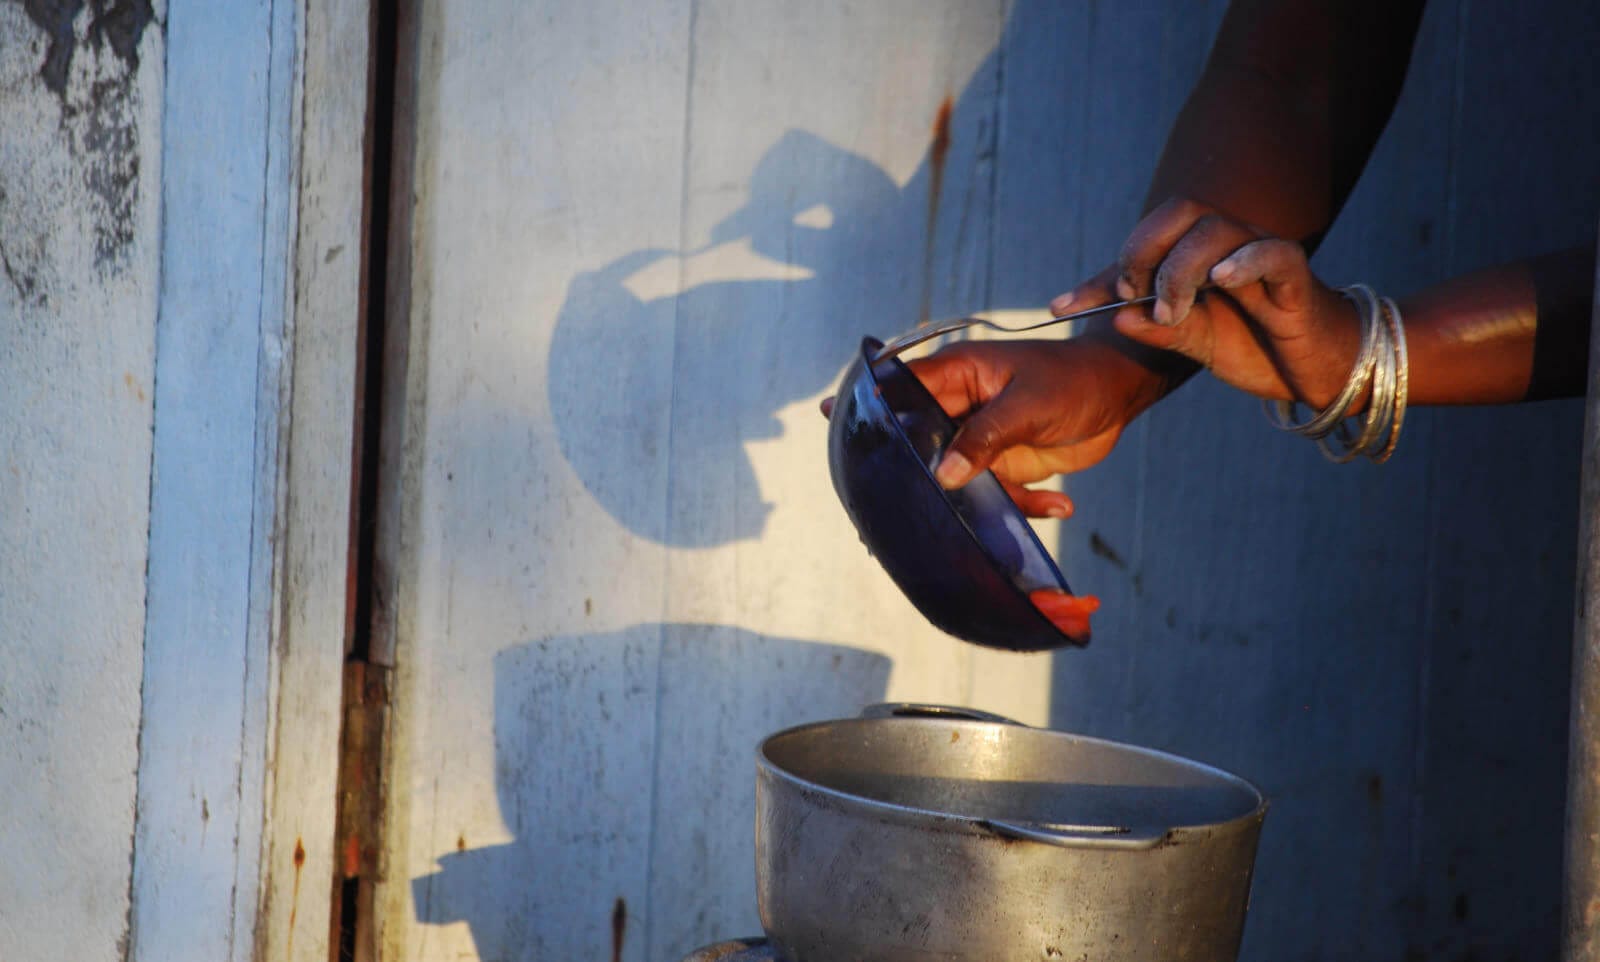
[(168, 711), (80, 174)]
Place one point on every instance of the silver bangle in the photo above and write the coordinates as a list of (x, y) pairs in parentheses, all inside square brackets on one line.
[(1379, 405), (1281, 413), (1383, 361), (1397, 340)]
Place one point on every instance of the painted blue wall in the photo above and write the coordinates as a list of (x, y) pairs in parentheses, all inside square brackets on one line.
[(1383, 648)]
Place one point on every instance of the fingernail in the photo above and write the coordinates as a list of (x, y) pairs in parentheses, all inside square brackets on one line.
[(1058, 512), (1222, 271), (1125, 289), (953, 469), (1061, 303), (1162, 314)]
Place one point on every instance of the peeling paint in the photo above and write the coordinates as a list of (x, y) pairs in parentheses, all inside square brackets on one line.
[(21, 266), (24, 282), (55, 19), (115, 23), (79, 343), (90, 60)]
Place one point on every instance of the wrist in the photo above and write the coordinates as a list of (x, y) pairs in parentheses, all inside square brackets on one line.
[(1145, 374)]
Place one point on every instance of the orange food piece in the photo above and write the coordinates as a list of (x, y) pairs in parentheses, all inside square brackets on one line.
[(1070, 613)]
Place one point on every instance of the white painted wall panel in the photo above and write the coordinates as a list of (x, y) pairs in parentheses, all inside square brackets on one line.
[(313, 561), (200, 767), (80, 163), (551, 143), (647, 242)]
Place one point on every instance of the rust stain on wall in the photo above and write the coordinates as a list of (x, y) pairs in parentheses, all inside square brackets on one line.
[(294, 898), (619, 928), (938, 150)]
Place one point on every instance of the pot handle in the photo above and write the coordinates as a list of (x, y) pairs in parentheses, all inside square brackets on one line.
[(910, 709), (1076, 836)]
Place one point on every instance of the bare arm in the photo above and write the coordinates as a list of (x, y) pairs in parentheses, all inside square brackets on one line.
[(1508, 333), (1276, 133), (1292, 99)]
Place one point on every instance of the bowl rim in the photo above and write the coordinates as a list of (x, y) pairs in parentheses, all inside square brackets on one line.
[(869, 347)]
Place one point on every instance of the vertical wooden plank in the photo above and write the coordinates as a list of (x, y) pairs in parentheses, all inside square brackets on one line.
[(277, 183), (587, 536), (777, 300), (718, 699), (549, 146), (1126, 103), (1319, 609), (1036, 247), (298, 861), (1227, 556), (213, 511), (80, 169), (1339, 634), (1503, 513), (1580, 928), (852, 210)]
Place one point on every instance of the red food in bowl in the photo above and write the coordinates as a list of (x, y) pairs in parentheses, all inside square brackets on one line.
[(1070, 613)]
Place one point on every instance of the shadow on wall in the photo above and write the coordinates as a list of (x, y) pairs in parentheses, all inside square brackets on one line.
[(1408, 791), (847, 251), (577, 738)]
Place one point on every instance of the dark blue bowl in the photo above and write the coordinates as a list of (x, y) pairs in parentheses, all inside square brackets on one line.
[(967, 558)]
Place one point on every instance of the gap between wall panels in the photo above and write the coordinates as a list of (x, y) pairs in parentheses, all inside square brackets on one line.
[(360, 814)]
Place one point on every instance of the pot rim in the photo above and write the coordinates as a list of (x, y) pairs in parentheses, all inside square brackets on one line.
[(894, 811)]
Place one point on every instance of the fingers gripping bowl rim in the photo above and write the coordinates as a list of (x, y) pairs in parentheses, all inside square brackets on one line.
[(967, 558)]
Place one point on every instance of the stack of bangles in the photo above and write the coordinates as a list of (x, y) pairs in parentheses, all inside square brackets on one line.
[(1382, 363)]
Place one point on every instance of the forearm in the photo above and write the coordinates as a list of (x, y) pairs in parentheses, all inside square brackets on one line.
[(1511, 333), (1293, 97), (1279, 127)]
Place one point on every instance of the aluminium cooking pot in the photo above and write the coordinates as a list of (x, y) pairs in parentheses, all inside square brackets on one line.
[(920, 832)]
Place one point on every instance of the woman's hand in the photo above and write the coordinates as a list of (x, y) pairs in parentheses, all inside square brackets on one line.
[(1268, 326), (1033, 409)]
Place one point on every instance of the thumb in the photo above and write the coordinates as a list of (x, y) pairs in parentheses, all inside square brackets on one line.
[(991, 429)]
